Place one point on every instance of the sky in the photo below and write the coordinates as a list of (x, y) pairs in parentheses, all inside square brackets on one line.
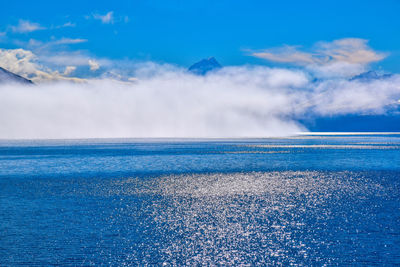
[(119, 68), (183, 32)]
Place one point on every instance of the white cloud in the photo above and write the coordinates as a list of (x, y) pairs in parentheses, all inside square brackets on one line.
[(25, 26), (338, 56), (69, 69), (62, 59), (37, 44), (3, 36), (340, 97), (67, 25), (47, 67), (26, 64), (108, 18), (63, 41), (336, 70), (19, 61), (287, 54), (76, 58), (350, 50), (93, 64)]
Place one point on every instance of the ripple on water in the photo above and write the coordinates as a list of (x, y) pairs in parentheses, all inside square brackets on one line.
[(301, 218)]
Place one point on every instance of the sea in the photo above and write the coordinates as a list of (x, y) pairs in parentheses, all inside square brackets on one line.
[(307, 200)]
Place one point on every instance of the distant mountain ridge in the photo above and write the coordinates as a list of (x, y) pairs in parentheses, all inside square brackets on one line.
[(9, 77), (370, 75), (204, 66)]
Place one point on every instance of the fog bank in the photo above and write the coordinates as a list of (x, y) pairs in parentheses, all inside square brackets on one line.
[(169, 102)]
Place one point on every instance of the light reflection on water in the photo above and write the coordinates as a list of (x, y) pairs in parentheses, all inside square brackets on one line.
[(242, 218), (210, 216)]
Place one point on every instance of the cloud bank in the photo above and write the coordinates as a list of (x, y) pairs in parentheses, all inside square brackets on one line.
[(166, 101), (128, 99)]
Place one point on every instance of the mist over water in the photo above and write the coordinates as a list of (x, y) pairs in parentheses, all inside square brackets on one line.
[(169, 102)]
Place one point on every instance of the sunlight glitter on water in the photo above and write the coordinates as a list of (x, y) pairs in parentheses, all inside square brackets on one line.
[(285, 218)]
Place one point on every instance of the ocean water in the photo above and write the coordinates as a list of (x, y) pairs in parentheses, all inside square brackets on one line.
[(304, 200)]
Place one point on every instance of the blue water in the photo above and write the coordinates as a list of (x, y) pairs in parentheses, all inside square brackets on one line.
[(305, 200)]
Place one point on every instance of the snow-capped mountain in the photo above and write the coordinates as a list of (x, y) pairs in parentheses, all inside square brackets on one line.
[(9, 77), (370, 75), (204, 66)]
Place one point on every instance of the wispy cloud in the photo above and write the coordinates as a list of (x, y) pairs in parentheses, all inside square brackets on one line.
[(3, 36), (93, 64), (63, 41), (25, 26), (348, 50), (39, 45), (69, 69), (65, 25), (107, 18), (69, 24), (64, 58), (286, 54)]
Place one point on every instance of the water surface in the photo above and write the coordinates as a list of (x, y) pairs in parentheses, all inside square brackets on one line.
[(304, 200)]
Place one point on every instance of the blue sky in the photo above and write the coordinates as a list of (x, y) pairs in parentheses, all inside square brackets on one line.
[(182, 32)]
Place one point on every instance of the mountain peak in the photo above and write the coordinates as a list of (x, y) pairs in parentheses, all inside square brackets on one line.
[(204, 66), (9, 77), (370, 75)]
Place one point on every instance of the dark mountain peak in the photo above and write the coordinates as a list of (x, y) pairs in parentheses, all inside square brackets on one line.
[(370, 75), (9, 77), (204, 66), (212, 60)]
